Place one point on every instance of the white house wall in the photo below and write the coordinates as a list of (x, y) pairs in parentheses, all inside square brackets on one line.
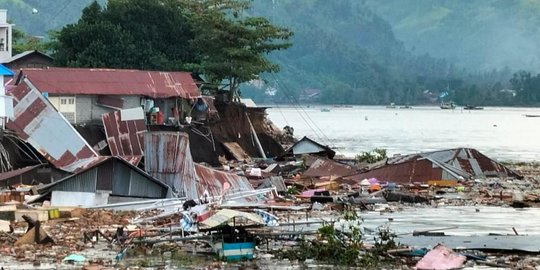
[(88, 110), (306, 147)]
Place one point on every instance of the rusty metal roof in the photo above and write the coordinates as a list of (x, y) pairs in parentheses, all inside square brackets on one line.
[(86, 81), (214, 181), (168, 158), (125, 138), (327, 167), (133, 190), (459, 163), (17, 172), (38, 123)]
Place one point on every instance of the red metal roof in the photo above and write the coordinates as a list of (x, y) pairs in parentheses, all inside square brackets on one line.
[(125, 138), (327, 168), (85, 81), (37, 122)]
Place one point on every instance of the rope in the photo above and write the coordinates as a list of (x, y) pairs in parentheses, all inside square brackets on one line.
[(326, 140)]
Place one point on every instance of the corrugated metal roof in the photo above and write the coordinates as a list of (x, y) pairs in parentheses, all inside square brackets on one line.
[(85, 81), (37, 122), (87, 180), (24, 54), (214, 181), (13, 173), (168, 158), (125, 138), (326, 167), (225, 215), (459, 163)]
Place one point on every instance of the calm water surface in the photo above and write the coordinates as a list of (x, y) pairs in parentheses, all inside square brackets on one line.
[(501, 133)]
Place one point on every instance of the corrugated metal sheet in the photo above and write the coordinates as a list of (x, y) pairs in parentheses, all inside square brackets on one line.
[(127, 180), (168, 158), (141, 187), (214, 180), (84, 182), (38, 123), (85, 81), (225, 215), (452, 164), (125, 138), (10, 174), (326, 168)]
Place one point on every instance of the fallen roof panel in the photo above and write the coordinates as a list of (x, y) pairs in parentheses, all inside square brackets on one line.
[(225, 215), (125, 138), (37, 122), (168, 158), (327, 167)]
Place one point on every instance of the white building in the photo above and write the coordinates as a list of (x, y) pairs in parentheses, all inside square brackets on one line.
[(5, 36)]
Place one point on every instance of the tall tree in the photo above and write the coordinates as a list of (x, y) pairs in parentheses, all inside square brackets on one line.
[(128, 34), (213, 37), (232, 46)]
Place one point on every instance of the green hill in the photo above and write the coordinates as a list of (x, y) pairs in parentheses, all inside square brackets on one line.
[(476, 34)]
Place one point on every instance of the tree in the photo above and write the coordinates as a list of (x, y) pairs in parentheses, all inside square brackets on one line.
[(231, 46), (23, 42), (139, 34), (213, 37)]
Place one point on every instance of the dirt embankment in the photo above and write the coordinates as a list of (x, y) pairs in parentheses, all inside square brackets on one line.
[(234, 126)]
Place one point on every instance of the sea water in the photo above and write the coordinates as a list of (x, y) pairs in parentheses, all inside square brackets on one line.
[(505, 134)]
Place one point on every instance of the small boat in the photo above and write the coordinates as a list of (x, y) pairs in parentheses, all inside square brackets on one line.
[(448, 105), (532, 115), (472, 107), (405, 107), (325, 110), (391, 106)]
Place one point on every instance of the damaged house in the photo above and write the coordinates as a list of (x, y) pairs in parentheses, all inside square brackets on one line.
[(451, 164), (111, 180), (82, 95)]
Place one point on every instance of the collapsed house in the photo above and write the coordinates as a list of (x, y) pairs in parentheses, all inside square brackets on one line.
[(111, 178), (52, 107), (168, 158), (452, 164), (307, 146)]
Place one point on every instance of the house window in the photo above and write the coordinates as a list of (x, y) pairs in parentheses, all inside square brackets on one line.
[(63, 101), (71, 101)]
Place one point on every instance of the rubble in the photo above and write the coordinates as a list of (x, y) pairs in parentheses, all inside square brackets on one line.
[(147, 197)]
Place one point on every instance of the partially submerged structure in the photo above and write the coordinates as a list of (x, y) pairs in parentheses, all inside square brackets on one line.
[(307, 146), (452, 164)]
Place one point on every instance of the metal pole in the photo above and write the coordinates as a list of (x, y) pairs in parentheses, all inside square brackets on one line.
[(259, 146)]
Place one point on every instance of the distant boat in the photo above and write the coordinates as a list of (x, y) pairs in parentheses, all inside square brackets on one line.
[(448, 105), (405, 107), (343, 106), (325, 110), (391, 106), (472, 107), (532, 115)]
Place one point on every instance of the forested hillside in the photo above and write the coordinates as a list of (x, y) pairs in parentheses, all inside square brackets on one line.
[(475, 34), (374, 52), (350, 53)]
